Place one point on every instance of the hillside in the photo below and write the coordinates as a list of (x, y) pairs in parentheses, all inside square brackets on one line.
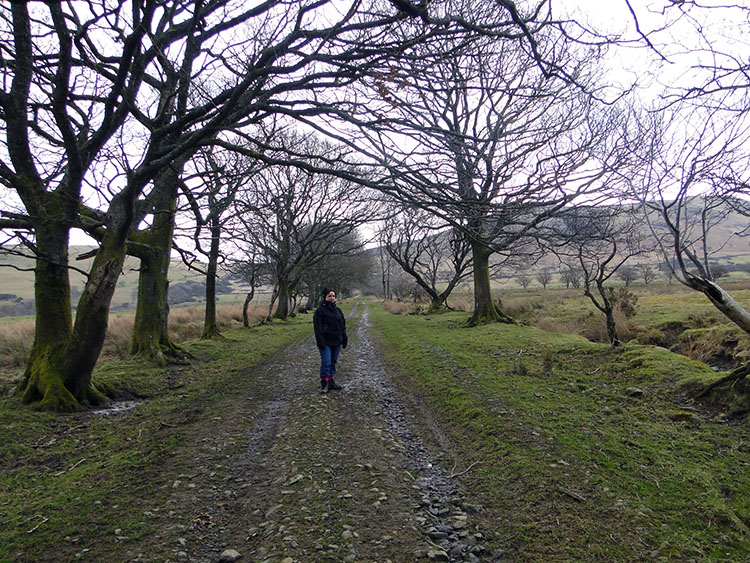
[(17, 277)]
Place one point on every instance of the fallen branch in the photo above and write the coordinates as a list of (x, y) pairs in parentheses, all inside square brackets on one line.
[(71, 467), (452, 475), (39, 524), (572, 494)]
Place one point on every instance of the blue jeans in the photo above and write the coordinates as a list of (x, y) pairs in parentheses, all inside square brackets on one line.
[(328, 358)]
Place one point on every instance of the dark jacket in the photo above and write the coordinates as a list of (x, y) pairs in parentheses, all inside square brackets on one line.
[(330, 326)]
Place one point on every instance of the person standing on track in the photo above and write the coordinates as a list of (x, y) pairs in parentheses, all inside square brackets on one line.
[(330, 336)]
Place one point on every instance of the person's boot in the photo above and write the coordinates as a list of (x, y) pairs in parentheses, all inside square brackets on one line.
[(333, 386), (324, 385)]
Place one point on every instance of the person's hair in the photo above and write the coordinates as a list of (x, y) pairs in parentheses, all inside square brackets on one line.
[(326, 291)]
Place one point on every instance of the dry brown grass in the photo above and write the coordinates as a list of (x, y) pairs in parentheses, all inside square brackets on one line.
[(465, 304), (185, 324), (396, 307), (592, 326), (15, 342)]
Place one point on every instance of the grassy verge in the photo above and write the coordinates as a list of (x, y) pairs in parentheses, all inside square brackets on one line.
[(576, 451), (64, 477)]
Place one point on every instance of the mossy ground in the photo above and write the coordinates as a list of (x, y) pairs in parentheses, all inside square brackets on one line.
[(572, 463), (63, 477)]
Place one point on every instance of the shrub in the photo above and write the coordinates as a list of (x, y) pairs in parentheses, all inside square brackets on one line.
[(624, 301), (519, 367)]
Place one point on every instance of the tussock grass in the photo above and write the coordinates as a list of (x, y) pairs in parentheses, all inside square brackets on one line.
[(572, 463), (17, 336), (397, 307), (15, 342), (464, 304)]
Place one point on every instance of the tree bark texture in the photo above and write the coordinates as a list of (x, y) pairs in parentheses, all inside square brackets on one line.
[(485, 308), (150, 329), (210, 328), (285, 297), (63, 355), (723, 302)]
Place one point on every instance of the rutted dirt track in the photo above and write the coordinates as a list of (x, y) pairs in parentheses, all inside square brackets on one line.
[(347, 476)]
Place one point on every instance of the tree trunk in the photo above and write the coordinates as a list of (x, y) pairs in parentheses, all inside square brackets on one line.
[(284, 297), (150, 334), (274, 295), (485, 308), (63, 356), (611, 327), (437, 303), (210, 329), (45, 376), (245, 306), (605, 307), (723, 302), (310, 305)]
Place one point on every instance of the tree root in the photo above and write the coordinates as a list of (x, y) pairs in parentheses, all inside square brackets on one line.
[(214, 333), (165, 354), (489, 318), (735, 375)]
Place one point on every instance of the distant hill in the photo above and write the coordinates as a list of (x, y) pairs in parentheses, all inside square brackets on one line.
[(17, 279), (725, 246)]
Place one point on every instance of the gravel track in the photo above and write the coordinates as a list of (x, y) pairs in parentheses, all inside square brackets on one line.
[(293, 475)]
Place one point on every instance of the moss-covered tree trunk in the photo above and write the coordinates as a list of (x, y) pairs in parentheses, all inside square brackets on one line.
[(609, 315), (436, 304), (210, 328), (63, 355), (485, 308), (150, 329), (284, 298), (44, 379), (606, 307)]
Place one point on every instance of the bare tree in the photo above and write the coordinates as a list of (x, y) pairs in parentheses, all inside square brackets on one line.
[(544, 278), (695, 171), (647, 272), (116, 97), (433, 255), (222, 175), (571, 276), (489, 143), (627, 274), (253, 271), (344, 268), (599, 241), (297, 218), (66, 103)]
